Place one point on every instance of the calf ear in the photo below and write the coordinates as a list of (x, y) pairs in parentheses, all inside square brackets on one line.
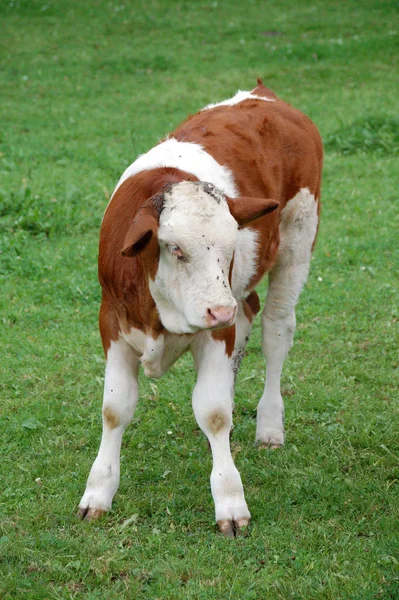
[(144, 226), (245, 209)]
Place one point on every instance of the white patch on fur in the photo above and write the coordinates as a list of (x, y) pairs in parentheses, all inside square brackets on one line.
[(245, 262), (157, 355), (239, 97), (201, 225), (298, 228), (152, 357), (213, 405), (187, 156), (137, 339)]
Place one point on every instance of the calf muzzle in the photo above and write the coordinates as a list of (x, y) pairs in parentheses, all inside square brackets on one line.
[(221, 316)]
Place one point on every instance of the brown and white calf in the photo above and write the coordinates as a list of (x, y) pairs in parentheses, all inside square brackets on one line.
[(192, 227)]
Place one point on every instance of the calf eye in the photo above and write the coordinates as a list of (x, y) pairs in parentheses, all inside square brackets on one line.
[(176, 251)]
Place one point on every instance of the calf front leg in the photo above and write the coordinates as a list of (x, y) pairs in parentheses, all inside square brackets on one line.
[(120, 399), (213, 407)]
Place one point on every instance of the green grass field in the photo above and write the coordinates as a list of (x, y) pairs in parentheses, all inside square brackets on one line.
[(85, 87)]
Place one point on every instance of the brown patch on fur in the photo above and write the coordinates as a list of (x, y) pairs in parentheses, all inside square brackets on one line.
[(109, 326), (251, 306), (274, 150), (268, 243), (111, 418), (247, 311), (124, 279), (228, 336), (262, 90), (216, 421), (231, 270), (155, 325)]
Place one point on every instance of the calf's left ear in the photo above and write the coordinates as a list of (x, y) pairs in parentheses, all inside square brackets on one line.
[(245, 209)]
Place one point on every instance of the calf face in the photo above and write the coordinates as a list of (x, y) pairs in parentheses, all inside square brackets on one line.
[(196, 227), (197, 236)]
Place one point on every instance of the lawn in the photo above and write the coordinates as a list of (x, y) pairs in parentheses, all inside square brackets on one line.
[(85, 87)]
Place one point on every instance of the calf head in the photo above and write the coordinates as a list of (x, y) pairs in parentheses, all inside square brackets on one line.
[(196, 228)]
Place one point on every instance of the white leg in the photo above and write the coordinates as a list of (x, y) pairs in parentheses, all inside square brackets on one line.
[(297, 233), (212, 404), (120, 399), (278, 327)]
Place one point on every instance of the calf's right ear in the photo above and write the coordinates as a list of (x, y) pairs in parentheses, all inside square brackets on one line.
[(144, 226)]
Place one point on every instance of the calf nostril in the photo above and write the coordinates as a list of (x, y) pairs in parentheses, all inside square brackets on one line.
[(222, 314)]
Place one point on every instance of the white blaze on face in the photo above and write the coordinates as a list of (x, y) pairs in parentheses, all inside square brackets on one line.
[(197, 237)]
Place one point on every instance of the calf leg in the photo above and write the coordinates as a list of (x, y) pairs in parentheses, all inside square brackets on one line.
[(278, 327), (120, 399), (297, 232), (213, 405)]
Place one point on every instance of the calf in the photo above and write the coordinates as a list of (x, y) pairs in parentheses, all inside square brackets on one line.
[(192, 227)]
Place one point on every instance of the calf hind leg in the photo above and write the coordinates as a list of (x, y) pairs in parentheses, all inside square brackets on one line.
[(297, 233)]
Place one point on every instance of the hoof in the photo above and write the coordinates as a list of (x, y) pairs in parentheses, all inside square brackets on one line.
[(90, 514), (263, 446), (233, 529), (271, 439)]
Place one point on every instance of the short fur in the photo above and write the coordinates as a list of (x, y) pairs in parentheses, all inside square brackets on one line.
[(192, 227)]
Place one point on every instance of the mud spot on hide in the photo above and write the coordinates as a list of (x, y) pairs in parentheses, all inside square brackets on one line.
[(238, 355), (111, 418), (216, 421), (210, 189)]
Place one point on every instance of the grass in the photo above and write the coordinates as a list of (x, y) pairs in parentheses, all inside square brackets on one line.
[(85, 88)]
